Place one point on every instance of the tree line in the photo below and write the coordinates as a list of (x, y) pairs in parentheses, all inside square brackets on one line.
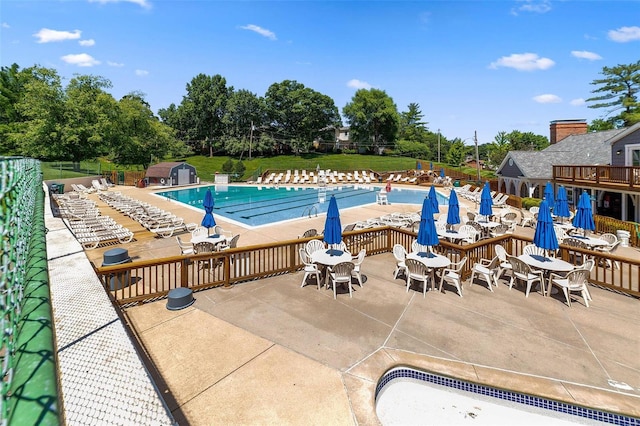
[(42, 118)]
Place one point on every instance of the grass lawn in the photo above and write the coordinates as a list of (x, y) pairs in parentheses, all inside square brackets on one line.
[(208, 166)]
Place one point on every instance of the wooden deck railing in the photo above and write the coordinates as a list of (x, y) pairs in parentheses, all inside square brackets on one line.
[(137, 282), (606, 176)]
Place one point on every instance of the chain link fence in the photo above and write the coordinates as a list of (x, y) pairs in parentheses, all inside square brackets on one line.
[(29, 375)]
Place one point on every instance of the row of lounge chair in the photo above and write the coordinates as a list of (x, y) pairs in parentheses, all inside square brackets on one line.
[(399, 178), (318, 177), (87, 224), (96, 186), (499, 199), (162, 223)]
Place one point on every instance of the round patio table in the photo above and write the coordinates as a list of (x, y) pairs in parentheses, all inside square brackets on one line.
[(330, 257), (431, 260), (547, 265)]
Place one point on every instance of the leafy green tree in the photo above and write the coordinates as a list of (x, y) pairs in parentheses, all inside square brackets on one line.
[(227, 166), (11, 89), (618, 91), (411, 126), (527, 141), (139, 137), (239, 168), (42, 107), (413, 149), (373, 119), (298, 114), (244, 118), (600, 124), (456, 153), (202, 109), (498, 149)]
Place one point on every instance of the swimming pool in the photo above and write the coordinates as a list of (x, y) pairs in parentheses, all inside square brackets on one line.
[(408, 396), (257, 205)]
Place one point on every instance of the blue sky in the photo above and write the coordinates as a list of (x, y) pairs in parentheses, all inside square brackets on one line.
[(485, 66)]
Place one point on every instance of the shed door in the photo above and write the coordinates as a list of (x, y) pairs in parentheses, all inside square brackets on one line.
[(183, 176)]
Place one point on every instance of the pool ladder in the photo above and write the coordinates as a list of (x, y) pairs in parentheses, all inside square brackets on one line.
[(308, 211)]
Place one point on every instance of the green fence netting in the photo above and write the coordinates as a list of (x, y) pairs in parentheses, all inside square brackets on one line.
[(29, 385)]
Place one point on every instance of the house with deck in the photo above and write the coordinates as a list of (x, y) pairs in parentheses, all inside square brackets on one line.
[(606, 164)]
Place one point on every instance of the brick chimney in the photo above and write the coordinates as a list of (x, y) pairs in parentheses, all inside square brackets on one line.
[(560, 129)]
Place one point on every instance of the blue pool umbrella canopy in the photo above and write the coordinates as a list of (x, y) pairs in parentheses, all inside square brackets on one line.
[(433, 197), (427, 235), (545, 235), (561, 207), (419, 166), (453, 215), (431, 165), (548, 195), (332, 226), (208, 221), (442, 173), (486, 202), (584, 216)]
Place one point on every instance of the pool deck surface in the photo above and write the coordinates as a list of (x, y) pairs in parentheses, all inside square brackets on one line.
[(269, 351)]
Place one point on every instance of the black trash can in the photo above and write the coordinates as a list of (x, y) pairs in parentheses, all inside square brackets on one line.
[(117, 256), (60, 188), (54, 189)]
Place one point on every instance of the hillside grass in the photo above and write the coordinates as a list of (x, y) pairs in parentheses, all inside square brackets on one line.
[(206, 167)]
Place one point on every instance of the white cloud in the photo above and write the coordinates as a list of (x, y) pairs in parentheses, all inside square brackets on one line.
[(532, 6), (547, 99), (5, 25), (357, 84), (624, 34), (89, 42), (142, 3), (142, 73), (577, 102), (81, 60), (115, 64), (583, 54), (523, 62), (262, 31), (46, 35)]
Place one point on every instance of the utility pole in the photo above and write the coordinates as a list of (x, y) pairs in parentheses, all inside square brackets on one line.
[(475, 139), (251, 139), (438, 145)]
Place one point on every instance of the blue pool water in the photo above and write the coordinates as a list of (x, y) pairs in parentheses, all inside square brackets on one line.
[(255, 205)]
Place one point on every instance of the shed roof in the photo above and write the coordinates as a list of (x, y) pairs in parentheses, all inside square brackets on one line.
[(162, 170)]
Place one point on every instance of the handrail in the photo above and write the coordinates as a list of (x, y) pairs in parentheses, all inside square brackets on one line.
[(30, 384), (308, 211)]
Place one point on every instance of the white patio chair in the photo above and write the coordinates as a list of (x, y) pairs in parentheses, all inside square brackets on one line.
[(505, 265), (533, 249), (418, 271), (487, 269), (357, 262), (341, 274), (310, 268), (471, 231), (523, 272), (400, 255), (185, 248), (452, 275), (313, 246), (575, 280), (199, 232)]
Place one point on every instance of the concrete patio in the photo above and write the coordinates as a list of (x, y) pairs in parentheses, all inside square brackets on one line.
[(269, 351)]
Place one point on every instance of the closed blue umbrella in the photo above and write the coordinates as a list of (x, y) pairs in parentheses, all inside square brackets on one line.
[(584, 216), (427, 235), (442, 173), (545, 236), (548, 195), (431, 165), (419, 165), (486, 202), (208, 221), (561, 208), (332, 226), (433, 197), (453, 215)]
